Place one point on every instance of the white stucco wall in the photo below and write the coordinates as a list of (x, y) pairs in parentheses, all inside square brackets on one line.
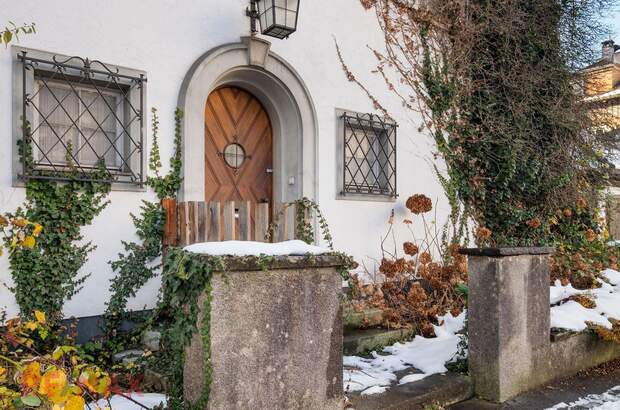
[(164, 38)]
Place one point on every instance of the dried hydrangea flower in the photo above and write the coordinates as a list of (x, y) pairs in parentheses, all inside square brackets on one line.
[(483, 233), (419, 204), (410, 248)]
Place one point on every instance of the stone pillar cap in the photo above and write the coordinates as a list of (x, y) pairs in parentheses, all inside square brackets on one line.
[(508, 251), (264, 262)]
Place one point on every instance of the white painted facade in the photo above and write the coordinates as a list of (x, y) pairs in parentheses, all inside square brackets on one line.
[(164, 38)]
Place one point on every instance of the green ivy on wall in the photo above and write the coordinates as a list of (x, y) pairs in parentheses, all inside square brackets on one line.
[(305, 211), (47, 275), (185, 278), (137, 265)]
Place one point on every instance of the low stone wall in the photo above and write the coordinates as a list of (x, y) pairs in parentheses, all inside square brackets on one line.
[(276, 336), (510, 348), (578, 351)]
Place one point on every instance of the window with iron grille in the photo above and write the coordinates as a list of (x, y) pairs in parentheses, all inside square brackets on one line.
[(84, 116), (368, 155)]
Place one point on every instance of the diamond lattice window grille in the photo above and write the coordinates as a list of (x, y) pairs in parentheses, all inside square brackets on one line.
[(369, 155), (84, 117)]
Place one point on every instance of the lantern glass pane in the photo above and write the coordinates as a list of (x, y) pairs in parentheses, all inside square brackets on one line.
[(292, 5), (290, 19), (268, 19), (264, 5), (280, 16)]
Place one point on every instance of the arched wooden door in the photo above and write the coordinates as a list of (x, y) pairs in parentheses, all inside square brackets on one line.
[(238, 148)]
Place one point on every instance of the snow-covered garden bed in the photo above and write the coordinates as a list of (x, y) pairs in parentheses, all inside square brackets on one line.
[(571, 315), (429, 355)]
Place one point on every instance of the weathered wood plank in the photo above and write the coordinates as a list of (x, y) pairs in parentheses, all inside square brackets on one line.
[(202, 221), (215, 222), (229, 221), (245, 222), (261, 221), (170, 224), (191, 222), (182, 210)]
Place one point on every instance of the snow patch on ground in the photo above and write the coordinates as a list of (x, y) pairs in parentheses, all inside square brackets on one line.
[(249, 248), (572, 316), (613, 276), (609, 400), (428, 355), (557, 292), (117, 402)]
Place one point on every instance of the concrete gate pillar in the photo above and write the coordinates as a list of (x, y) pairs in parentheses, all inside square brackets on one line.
[(508, 320)]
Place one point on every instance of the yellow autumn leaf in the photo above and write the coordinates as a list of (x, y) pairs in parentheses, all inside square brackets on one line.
[(3, 373), (75, 403), (31, 376), (21, 222), (40, 316), (31, 325), (104, 385), (38, 228), (52, 383), (29, 242)]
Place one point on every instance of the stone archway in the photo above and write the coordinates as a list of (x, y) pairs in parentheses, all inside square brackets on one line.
[(250, 65)]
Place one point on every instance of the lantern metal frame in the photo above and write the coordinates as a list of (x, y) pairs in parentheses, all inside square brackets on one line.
[(276, 30)]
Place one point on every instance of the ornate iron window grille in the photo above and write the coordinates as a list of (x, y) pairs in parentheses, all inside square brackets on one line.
[(369, 155), (78, 76)]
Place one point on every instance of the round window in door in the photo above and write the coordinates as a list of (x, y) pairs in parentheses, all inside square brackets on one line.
[(234, 155)]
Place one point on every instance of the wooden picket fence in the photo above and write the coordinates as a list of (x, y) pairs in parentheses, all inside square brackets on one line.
[(196, 221)]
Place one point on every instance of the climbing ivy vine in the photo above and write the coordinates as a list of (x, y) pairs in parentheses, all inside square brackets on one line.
[(139, 262), (185, 278), (305, 211), (46, 275)]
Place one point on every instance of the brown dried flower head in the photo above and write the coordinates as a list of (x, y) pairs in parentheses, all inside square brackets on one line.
[(407, 221), (567, 213), (410, 248), (419, 204), (483, 233), (581, 203), (425, 258), (534, 223), (590, 235)]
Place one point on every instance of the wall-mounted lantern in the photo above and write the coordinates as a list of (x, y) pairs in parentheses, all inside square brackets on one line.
[(278, 18)]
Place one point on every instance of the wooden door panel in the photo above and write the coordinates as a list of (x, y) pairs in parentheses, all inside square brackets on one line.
[(233, 115)]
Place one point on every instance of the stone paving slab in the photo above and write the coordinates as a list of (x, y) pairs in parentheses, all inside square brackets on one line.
[(593, 381), (436, 389)]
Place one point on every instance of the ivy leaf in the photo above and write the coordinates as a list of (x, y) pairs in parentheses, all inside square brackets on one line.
[(31, 401), (7, 36)]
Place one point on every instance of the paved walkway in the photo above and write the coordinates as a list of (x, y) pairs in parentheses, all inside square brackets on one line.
[(592, 382)]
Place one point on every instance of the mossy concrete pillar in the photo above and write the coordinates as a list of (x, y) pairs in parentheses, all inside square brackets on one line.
[(275, 335), (508, 320)]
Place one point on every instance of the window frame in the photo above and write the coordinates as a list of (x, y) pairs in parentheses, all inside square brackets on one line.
[(80, 88), (130, 174), (380, 126)]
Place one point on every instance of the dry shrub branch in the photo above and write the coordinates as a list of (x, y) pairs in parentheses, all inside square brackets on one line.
[(421, 280)]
